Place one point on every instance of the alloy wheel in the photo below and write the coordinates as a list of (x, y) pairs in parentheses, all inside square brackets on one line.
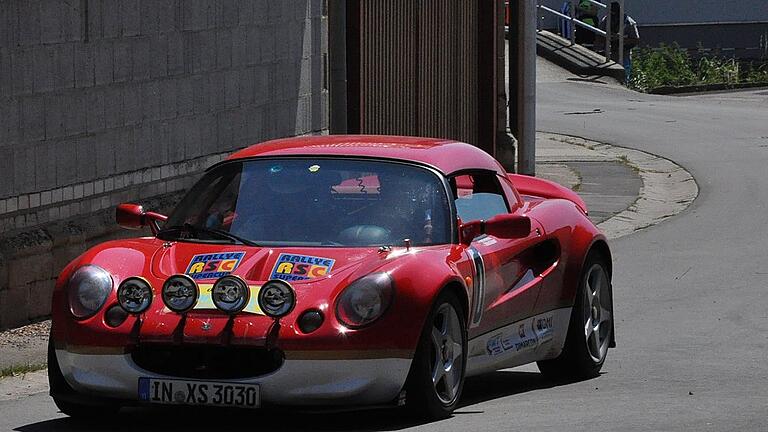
[(597, 313), (447, 353)]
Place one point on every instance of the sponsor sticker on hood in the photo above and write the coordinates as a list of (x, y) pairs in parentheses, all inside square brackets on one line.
[(291, 267), (213, 266)]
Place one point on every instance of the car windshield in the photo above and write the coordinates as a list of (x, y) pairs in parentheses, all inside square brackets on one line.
[(313, 202)]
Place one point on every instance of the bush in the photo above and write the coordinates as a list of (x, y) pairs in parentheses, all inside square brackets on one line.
[(663, 66), (671, 66), (714, 70), (757, 74)]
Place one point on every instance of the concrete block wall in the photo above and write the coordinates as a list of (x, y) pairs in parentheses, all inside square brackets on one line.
[(103, 101)]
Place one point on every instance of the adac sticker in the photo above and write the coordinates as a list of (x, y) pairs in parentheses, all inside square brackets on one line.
[(290, 267), (213, 266)]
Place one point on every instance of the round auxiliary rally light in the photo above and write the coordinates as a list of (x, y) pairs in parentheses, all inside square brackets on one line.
[(276, 298), (134, 295), (230, 294), (180, 293)]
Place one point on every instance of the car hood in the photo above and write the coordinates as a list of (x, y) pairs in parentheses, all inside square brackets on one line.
[(297, 265)]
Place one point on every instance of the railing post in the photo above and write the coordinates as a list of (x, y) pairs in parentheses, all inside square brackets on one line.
[(608, 34), (538, 15), (572, 14), (621, 32)]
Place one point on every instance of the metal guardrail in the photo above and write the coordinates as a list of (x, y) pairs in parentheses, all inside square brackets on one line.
[(607, 35)]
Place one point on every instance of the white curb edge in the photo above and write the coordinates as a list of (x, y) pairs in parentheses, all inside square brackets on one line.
[(668, 189)]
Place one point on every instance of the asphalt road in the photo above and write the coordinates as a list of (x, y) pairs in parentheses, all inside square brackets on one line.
[(690, 293)]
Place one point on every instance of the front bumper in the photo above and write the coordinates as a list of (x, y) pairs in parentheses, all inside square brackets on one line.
[(319, 381)]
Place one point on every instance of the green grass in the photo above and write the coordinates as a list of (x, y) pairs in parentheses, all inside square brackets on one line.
[(672, 66), (21, 370), (625, 161)]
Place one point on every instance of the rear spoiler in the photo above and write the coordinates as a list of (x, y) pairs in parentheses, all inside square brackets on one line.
[(534, 186)]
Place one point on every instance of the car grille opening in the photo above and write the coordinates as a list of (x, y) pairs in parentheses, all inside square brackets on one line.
[(207, 361)]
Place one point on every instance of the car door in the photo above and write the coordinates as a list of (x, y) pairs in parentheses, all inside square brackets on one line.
[(501, 294)]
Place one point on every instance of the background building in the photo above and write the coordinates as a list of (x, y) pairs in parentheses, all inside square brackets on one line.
[(730, 28)]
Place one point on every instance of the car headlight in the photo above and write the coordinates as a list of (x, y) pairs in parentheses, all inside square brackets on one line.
[(365, 300), (230, 294), (88, 289), (134, 295)]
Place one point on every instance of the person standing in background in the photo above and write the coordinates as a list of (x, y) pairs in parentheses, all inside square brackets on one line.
[(586, 13), (631, 36)]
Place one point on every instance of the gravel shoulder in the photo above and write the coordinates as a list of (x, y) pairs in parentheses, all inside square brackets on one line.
[(24, 346)]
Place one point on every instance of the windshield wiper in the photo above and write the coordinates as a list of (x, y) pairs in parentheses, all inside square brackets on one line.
[(192, 232)]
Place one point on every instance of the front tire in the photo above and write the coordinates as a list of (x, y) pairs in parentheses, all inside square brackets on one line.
[(436, 379), (590, 330)]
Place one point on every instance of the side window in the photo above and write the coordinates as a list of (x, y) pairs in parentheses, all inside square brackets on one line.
[(478, 197), (510, 193)]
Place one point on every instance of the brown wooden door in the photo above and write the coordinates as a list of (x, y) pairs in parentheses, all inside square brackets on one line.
[(424, 68)]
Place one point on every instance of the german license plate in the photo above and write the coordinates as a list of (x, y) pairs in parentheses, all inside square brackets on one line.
[(181, 392)]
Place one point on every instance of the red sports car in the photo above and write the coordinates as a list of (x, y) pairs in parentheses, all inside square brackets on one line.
[(335, 270)]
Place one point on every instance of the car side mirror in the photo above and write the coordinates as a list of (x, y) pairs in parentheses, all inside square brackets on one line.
[(469, 231), (133, 217), (508, 226)]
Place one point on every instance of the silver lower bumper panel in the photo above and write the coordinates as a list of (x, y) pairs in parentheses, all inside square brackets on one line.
[(297, 382)]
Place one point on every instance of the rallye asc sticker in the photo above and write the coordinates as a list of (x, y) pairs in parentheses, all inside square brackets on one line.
[(290, 267), (213, 266)]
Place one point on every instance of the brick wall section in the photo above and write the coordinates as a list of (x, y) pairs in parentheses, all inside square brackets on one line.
[(33, 258), (103, 101)]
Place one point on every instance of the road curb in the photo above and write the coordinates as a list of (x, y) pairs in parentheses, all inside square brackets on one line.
[(684, 90), (668, 188)]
